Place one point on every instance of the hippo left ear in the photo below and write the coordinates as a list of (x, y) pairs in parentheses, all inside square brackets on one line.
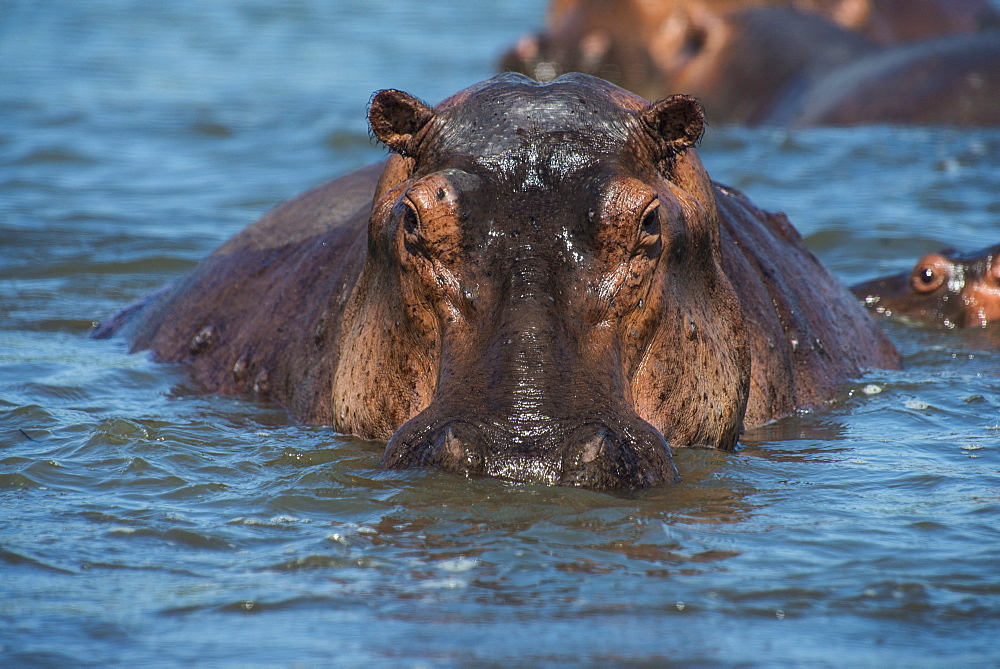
[(677, 122), (395, 117)]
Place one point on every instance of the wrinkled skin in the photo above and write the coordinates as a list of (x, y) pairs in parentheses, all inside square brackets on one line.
[(542, 284), (745, 60), (946, 289)]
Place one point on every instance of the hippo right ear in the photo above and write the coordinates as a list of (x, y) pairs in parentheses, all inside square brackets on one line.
[(676, 122), (395, 117)]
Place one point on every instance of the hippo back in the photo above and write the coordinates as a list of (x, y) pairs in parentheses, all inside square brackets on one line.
[(951, 80), (807, 332), (261, 314)]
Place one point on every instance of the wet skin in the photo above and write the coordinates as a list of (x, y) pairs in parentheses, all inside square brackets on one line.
[(947, 289), (541, 284)]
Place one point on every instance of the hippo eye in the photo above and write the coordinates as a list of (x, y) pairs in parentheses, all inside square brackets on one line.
[(929, 274), (410, 219), (651, 220), (694, 41)]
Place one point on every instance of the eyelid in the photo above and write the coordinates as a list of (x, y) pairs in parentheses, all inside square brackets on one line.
[(409, 204), (651, 206)]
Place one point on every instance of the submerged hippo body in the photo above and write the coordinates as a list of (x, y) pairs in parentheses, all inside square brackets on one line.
[(542, 284), (952, 80), (948, 289)]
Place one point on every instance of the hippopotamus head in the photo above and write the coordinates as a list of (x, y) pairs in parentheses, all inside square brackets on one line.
[(947, 288), (544, 271)]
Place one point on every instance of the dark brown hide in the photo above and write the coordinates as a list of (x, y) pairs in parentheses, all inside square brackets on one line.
[(952, 80), (547, 287)]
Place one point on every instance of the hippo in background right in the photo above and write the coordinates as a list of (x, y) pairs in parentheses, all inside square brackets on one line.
[(947, 289), (790, 63)]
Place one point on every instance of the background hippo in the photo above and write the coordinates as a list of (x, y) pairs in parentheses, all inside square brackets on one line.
[(954, 80), (947, 288), (750, 62), (541, 285)]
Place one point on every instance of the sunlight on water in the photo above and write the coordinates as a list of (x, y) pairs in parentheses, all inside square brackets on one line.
[(146, 522)]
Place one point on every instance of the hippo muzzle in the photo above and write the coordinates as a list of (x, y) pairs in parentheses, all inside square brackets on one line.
[(591, 454), (533, 405)]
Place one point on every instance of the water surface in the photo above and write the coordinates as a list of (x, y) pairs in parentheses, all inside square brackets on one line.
[(143, 521)]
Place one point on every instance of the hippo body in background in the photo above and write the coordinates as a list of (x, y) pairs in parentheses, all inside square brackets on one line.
[(952, 80), (947, 289), (748, 61), (735, 59), (542, 284), (753, 60), (903, 21)]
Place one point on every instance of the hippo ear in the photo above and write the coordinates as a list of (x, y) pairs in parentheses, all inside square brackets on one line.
[(395, 117), (677, 122)]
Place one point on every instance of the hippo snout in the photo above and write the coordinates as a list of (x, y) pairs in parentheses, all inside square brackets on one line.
[(631, 454)]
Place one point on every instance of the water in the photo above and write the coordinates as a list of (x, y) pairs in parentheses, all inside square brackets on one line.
[(143, 521)]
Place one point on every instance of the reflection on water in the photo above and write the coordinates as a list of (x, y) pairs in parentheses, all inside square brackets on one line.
[(145, 521)]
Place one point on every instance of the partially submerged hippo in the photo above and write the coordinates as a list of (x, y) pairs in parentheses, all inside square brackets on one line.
[(953, 80), (784, 62), (732, 56), (541, 284), (948, 289)]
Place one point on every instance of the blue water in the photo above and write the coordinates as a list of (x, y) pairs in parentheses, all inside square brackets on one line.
[(143, 521)]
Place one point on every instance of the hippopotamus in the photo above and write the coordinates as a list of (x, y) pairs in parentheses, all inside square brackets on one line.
[(756, 62), (947, 289), (734, 59), (953, 80), (540, 284)]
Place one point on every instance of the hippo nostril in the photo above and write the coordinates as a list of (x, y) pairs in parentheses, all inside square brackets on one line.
[(457, 447), (589, 443), (593, 448), (600, 456), (450, 446)]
